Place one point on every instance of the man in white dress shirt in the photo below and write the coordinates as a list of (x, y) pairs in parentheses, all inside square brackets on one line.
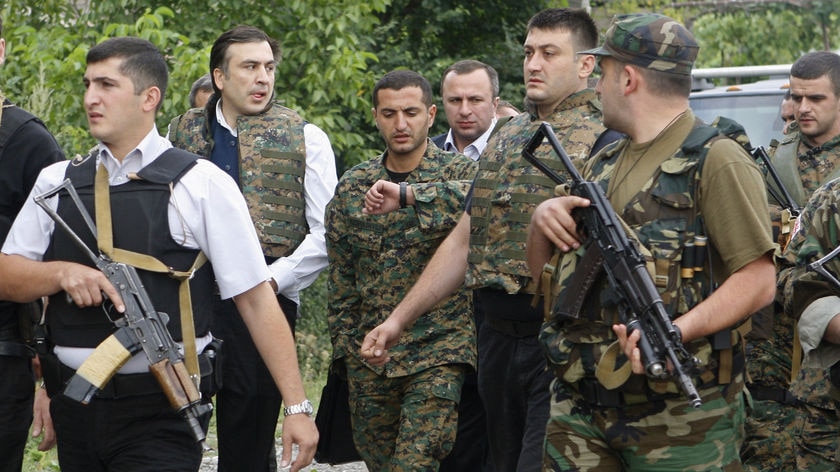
[(130, 425), (285, 167)]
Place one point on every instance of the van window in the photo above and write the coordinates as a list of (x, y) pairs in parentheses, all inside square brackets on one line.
[(757, 113)]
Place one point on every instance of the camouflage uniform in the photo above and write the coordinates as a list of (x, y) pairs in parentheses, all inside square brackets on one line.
[(403, 413), (647, 424), (812, 300), (777, 434), (507, 187), (513, 381)]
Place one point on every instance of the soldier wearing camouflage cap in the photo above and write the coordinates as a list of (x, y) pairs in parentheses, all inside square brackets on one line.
[(285, 168), (673, 180)]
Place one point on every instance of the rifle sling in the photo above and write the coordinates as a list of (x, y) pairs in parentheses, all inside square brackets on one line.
[(102, 203), (606, 373)]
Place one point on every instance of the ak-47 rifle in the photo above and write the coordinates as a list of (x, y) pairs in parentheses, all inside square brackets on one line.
[(779, 193), (140, 328), (817, 266), (641, 306)]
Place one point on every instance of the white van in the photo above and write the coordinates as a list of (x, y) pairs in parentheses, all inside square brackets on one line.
[(754, 105)]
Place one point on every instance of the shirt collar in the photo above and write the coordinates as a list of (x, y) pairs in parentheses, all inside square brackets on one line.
[(146, 151), (220, 118), (475, 148)]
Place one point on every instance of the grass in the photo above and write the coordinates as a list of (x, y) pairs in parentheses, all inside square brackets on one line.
[(314, 352)]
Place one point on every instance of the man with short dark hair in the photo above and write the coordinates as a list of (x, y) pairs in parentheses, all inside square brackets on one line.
[(166, 205), (470, 92), (285, 168), (672, 180), (793, 422), (486, 250), (404, 415)]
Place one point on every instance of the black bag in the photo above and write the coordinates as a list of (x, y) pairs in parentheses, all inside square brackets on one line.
[(335, 444)]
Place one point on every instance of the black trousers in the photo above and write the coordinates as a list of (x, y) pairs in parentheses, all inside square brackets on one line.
[(248, 404), (17, 390), (140, 433), (471, 450)]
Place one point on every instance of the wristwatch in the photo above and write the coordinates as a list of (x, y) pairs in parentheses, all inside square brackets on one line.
[(302, 407)]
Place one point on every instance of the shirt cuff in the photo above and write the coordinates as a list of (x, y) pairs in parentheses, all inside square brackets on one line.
[(812, 326)]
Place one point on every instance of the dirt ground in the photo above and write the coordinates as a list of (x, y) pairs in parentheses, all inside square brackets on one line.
[(210, 461)]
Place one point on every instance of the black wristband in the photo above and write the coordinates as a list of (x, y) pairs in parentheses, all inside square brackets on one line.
[(403, 186)]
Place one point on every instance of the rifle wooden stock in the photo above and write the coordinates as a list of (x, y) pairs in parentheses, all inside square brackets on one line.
[(176, 383)]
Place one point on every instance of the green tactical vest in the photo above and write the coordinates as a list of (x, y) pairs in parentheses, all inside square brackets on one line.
[(272, 166), (664, 218), (507, 189), (792, 167)]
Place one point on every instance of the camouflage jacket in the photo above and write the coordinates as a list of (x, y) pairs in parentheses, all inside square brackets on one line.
[(807, 294), (803, 173), (375, 259), (507, 189), (769, 361), (272, 160), (663, 216)]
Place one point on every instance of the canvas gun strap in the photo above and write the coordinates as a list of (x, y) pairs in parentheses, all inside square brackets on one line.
[(102, 202)]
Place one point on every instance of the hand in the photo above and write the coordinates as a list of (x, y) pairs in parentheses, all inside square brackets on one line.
[(42, 422), (301, 430), (86, 286), (629, 345), (382, 197), (377, 342), (553, 218)]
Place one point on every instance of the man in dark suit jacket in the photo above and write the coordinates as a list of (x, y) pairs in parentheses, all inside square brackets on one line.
[(470, 93)]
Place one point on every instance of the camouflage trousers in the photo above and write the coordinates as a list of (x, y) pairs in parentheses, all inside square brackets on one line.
[(817, 437), (661, 435), (770, 442), (404, 423)]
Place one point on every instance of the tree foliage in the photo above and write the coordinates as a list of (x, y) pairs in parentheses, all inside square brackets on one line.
[(326, 73), (774, 33), (335, 49)]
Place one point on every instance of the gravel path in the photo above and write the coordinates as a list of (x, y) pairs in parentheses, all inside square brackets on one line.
[(209, 464)]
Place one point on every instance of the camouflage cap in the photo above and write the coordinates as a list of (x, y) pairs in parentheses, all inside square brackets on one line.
[(650, 40)]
